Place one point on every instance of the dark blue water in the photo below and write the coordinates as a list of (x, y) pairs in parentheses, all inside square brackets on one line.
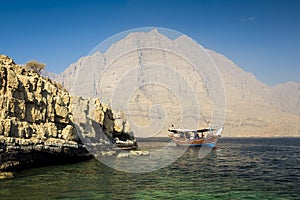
[(237, 169)]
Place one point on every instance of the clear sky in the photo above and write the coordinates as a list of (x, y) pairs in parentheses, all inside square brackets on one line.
[(262, 37)]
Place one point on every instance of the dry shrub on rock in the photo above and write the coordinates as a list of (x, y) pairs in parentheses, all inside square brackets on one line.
[(35, 66)]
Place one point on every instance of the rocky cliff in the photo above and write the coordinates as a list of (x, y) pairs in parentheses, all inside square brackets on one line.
[(253, 108), (36, 120)]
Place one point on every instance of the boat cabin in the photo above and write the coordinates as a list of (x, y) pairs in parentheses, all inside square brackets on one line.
[(190, 134)]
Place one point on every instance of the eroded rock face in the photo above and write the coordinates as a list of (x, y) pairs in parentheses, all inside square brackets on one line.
[(97, 123), (36, 119), (32, 106)]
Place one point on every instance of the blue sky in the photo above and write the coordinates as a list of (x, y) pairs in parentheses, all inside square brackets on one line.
[(262, 37)]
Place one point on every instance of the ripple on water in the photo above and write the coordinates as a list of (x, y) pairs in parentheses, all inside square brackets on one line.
[(237, 169)]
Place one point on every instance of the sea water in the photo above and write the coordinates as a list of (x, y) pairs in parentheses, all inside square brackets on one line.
[(236, 169)]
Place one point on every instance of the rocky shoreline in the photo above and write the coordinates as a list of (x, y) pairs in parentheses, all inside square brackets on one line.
[(37, 122), (19, 153)]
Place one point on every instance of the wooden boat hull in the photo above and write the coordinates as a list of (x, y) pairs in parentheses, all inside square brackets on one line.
[(209, 142)]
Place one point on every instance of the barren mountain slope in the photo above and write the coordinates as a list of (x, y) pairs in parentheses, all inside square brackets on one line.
[(253, 108)]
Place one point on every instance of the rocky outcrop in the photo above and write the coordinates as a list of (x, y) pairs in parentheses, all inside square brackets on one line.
[(100, 127), (36, 121)]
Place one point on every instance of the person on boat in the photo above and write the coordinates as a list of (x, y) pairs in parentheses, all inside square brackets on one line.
[(181, 135), (197, 136), (192, 136), (187, 135)]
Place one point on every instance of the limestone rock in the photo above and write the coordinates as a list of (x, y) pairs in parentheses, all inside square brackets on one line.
[(29, 107), (6, 175), (69, 133), (37, 117), (129, 154)]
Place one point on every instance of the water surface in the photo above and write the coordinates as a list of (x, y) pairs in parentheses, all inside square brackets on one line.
[(237, 169)]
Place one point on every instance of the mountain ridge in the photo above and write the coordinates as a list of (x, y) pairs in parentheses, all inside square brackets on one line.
[(254, 109)]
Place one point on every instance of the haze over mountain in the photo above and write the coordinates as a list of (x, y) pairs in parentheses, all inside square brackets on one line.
[(253, 108)]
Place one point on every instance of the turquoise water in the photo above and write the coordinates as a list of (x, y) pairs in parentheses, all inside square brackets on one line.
[(237, 169)]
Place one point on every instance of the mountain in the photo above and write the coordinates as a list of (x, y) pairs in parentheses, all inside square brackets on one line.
[(288, 96), (253, 109)]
